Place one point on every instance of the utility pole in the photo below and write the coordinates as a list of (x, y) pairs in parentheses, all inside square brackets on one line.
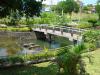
[(51, 3), (62, 10), (80, 9)]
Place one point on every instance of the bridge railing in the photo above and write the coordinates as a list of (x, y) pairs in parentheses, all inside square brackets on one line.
[(61, 29)]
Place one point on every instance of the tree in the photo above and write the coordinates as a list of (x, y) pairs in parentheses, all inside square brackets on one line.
[(98, 8), (67, 6), (31, 8), (87, 8), (13, 8), (10, 6)]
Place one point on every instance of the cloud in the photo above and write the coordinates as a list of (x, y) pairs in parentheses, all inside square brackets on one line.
[(50, 2)]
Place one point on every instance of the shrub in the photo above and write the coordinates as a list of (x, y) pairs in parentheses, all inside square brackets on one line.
[(98, 23), (37, 21), (42, 55), (23, 29), (15, 59), (15, 29), (91, 46), (91, 38), (3, 29), (93, 22), (70, 60), (84, 25)]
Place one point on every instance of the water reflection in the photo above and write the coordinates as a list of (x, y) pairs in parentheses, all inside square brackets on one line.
[(13, 48), (3, 52)]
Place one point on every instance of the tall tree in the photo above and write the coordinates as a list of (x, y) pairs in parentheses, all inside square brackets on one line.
[(67, 6), (31, 8), (28, 7), (9, 6)]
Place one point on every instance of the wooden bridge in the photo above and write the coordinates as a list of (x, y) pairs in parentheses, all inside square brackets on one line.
[(64, 31)]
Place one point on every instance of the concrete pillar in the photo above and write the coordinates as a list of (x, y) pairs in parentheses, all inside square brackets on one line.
[(40, 35), (49, 37), (61, 31)]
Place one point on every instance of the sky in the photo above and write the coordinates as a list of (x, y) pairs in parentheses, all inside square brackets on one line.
[(48, 2)]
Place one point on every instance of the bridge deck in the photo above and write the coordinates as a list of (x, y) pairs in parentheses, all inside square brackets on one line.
[(59, 33)]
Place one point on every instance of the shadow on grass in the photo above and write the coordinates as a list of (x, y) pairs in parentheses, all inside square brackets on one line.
[(30, 70)]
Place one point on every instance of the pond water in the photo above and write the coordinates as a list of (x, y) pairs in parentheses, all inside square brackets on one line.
[(56, 43)]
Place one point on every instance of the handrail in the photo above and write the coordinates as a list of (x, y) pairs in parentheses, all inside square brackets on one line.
[(69, 29)]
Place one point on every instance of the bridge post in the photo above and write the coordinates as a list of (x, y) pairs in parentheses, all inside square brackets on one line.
[(69, 29), (46, 29), (71, 32), (80, 32), (53, 29), (40, 27), (61, 31)]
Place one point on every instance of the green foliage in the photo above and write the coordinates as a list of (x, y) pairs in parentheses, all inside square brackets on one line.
[(71, 58), (98, 23), (15, 59), (63, 50), (18, 8), (9, 6), (47, 68), (91, 46), (67, 6), (91, 38), (93, 21), (32, 7), (87, 8), (30, 57), (24, 29), (50, 18), (28, 7), (84, 25), (42, 55)]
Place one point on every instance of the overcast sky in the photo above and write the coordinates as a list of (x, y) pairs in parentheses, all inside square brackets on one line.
[(48, 2)]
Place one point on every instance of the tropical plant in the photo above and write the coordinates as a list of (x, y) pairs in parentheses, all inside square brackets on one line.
[(68, 59)]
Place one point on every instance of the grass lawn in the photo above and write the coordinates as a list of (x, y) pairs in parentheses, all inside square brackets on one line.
[(39, 69), (94, 68)]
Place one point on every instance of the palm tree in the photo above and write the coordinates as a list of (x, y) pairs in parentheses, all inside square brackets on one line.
[(70, 59)]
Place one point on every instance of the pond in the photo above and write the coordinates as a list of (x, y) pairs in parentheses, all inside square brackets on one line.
[(55, 43)]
